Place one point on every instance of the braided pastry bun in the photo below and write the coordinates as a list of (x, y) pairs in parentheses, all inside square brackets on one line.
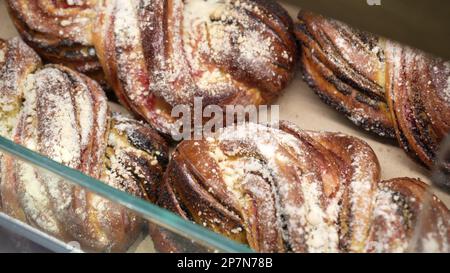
[(60, 31), (384, 87), (64, 115), (288, 190), (157, 54)]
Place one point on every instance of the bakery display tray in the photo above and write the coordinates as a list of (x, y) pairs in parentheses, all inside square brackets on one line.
[(298, 104)]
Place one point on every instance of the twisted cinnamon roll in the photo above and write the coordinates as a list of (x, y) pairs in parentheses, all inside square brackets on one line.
[(158, 54), (384, 87), (288, 190), (64, 115), (60, 31)]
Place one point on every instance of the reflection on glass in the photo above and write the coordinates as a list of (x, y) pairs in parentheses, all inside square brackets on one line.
[(96, 217), (430, 233), (441, 172)]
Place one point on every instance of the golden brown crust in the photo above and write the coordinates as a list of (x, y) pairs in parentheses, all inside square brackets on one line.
[(342, 65), (417, 90), (158, 54), (384, 87), (59, 31), (288, 190), (64, 115), (16, 61)]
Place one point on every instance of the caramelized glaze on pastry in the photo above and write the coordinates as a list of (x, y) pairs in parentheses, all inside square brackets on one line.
[(288, 190), (64, 115)]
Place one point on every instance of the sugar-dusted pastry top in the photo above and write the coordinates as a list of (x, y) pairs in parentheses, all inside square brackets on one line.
[(64, 115), (289, 190), (59, 31), (382, 86), (158, 54)]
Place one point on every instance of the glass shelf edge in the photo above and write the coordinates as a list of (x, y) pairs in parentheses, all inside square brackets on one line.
[(35, 235), (158, 215)]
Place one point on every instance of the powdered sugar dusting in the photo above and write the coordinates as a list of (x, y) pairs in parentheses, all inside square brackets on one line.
[(126, 168), (35, 201), (446, 91), (65, 116), (71, 19), (310, 205), (130, 53), (57, 122), (389, 238), (362, 188), (303, 216), (18, 59), (195, 51)]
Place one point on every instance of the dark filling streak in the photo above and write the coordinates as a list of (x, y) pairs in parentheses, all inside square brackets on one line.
[(282, 217), (368, 101), (339, 60), (400, 136), (371, 126), (146, 183), (404, 209), (270, 28), (421, 130), (409, 117), (345, 229), (233, 67), (63, 48), (282, 43), (142, 142), (109, 167), (75, 83), (196, 175), (272, 8), (367, 41)]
